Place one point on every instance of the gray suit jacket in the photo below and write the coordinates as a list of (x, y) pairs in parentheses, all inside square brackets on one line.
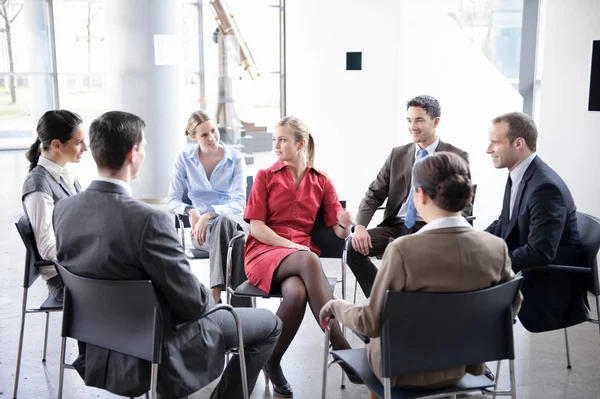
[(393, 182), (104, 233)]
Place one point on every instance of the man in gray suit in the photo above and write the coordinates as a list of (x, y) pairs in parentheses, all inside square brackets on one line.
[(104, 233), (394, 183)]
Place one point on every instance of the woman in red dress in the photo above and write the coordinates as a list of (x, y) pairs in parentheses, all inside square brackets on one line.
[(279, 252)]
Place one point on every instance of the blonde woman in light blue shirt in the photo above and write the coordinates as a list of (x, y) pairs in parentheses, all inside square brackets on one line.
[(214, 176)]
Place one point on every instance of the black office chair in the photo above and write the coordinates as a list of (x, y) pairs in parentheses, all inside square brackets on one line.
[(469, 218), (33, 261), (123, 316), (183, 221), (422, 331), (589, 231)]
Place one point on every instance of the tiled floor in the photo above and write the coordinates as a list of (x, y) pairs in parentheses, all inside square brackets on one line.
[(540, 358)]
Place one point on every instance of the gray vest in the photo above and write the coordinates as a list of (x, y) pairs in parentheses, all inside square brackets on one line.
[(39, 179)]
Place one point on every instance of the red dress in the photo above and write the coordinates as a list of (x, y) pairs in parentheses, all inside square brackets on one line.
[(289, 212)]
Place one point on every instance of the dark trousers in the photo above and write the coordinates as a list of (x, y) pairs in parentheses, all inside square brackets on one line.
[(260, 330), (364, 270)]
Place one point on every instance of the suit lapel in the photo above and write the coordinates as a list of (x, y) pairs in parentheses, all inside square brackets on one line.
[(77, 186), (517, 205), (62, 184)]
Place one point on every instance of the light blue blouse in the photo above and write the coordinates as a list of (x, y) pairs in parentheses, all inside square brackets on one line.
[(224, 193)]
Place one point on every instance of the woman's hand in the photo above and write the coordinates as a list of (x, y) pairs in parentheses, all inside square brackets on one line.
[(199, 228), (344, 218), (293, 245), (324, 322)]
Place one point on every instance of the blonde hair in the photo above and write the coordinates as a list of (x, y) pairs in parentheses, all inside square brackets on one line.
[(300, 132), (195, 119)]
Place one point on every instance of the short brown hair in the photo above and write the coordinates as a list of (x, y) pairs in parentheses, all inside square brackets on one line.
[(520, 125)]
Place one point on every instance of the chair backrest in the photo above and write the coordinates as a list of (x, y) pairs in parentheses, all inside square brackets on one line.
[(123, 316), (423, 331), (324, 237), (32, 257), (589, 231)]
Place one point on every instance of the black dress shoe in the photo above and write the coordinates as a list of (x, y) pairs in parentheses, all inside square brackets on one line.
[(488, 373)]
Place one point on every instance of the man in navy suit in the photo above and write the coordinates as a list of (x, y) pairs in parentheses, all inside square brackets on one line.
[(539, 224)]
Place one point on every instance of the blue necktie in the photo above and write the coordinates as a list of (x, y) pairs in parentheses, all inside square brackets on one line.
[(411, 211)]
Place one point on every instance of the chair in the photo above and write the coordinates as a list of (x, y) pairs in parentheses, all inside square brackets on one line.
[(324, 238), (123, 316), (422, 331), (33, 261), (589, 231), (183, 221), (469, 218)]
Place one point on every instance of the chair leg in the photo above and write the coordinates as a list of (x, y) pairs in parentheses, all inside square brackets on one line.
[(325, 357), (46, 337), (61, 374), (497, 378), (598, 310), (355, 289), (567, 347), (387, 388), (513, 385), (153, 380), (20, 348), (241, 354)]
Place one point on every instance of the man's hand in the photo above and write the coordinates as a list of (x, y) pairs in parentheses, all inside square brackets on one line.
[(361, 240), (199, 228)]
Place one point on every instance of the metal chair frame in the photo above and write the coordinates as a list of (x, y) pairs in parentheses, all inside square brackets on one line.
[(33, 261), (399, 353)]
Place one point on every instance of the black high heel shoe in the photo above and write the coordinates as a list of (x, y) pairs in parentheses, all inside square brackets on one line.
[(352, 376), (284, 390)]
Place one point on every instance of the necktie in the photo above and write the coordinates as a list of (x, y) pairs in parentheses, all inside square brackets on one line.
[(411, 211), (506, 207)]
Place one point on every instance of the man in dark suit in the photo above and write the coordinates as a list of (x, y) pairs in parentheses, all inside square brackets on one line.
[(394, 184), (539, 224), (105, 233)]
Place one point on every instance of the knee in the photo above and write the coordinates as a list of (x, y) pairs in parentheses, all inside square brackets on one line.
[(311, 262), (225, 222), (294, 290)]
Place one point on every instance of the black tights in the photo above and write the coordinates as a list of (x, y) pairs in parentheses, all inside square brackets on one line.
[(302, 280)]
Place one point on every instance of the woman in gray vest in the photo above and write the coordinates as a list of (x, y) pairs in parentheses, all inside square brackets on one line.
[(59, 140)]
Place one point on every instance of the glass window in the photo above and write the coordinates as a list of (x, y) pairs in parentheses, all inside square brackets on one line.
[(81, 57), (493, 26), (252, 99), (25, 68)]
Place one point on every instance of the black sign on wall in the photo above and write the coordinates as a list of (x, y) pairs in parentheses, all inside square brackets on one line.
[(594, 104)]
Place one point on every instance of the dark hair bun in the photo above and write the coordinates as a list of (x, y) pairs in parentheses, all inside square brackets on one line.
[(453, 193)]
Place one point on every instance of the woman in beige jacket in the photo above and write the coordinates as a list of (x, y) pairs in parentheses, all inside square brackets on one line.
[(446, 255)]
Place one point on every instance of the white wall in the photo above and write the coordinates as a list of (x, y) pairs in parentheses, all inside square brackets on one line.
[(569, 133), (409, 48)]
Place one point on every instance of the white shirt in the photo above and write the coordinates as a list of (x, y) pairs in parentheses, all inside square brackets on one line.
[(39, 207), (445, 223), (517, 176), (430, 150), (118, 182)]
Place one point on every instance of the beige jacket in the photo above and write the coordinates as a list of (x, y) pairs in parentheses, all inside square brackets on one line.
[(439, 260)]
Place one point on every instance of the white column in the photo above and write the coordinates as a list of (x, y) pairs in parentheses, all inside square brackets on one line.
[(146, 78)]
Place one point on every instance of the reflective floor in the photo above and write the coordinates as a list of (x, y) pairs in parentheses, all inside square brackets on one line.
[(540, 358)]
